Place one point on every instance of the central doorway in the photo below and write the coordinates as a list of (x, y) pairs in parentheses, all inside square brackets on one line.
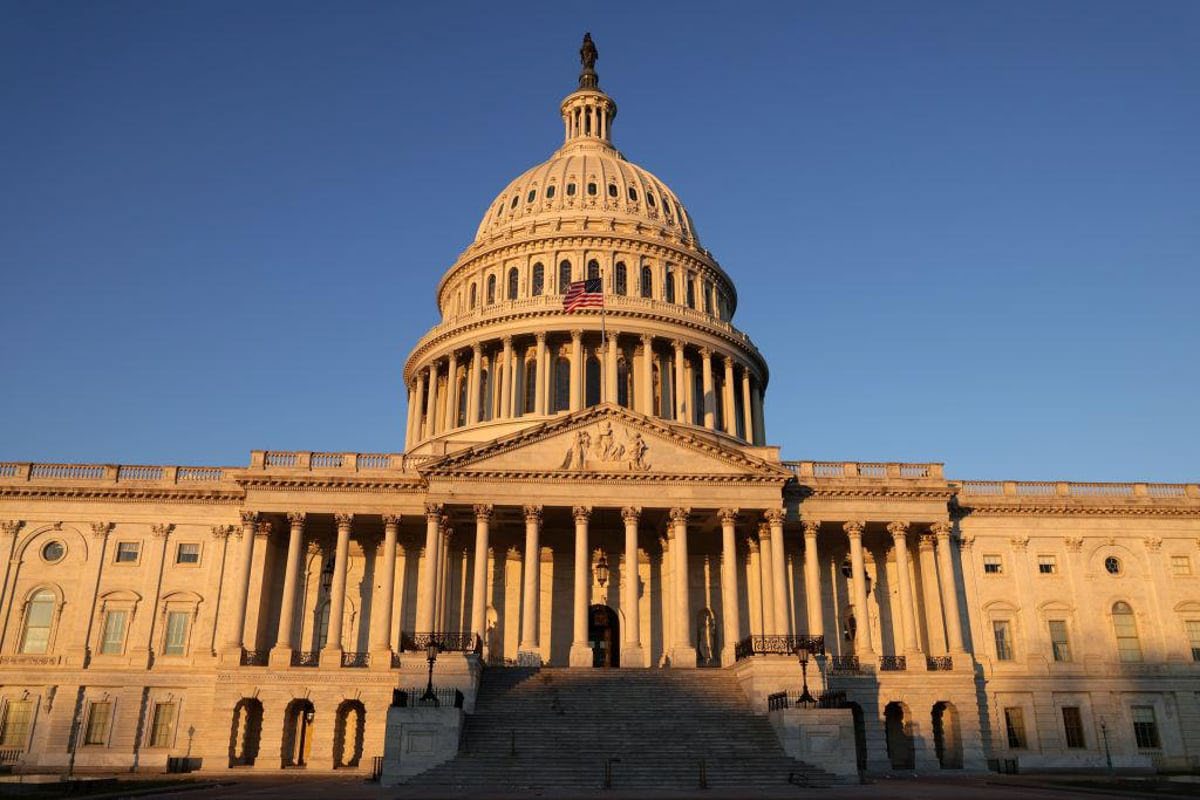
[(603, 630)]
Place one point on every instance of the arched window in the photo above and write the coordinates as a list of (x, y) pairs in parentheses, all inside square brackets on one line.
[(512, 283), (624, 382), (485, 395), (539, 280), (708, 287), (491, 289), (592, 382), (532, 196), (39, 616), (562, 383), (1129, 648), (647, 287), (668, 288), (620, 279), (472, 300), (550, 192), (322, 626), (530, 387), (632, 194), (697, 396), (570, 190), (593, 269), (516, 199), (564, 277), (591, 188), (689, 285), (612, 190), (650, 199)]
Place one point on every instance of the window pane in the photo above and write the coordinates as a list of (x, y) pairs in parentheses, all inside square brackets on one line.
[(539, 280), (99, 714), (1181, 565), (187, 553), (14, 729), (993, 565), (1193, 632), (1014, 724), (163, 724), (114, 633), (127, 552), (1073, 727), (1145, 727), (1001, 630), (176, 637), (38, 617), (1129, 649), (1047, 565), (1058, 640)]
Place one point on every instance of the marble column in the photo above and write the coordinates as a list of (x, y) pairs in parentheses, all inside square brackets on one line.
[(451, 410), (899, 532), (766, 579), (631, 648), (728, 419), (474, 410), (941, 532), (507, 388), (931, 598), (610, 368), (812, 580), (529, 651), (429, 568), (710, 396), (581, 651), (577, 371), (281, 654), (483, 521), (760, 424), (646, 384), (431, 403), (412, 416), (237, 631), (331, 654), (683, 654), (747, 407), (381, 607), (783, 614), (679, 384), (729, 587), (539, 393), (862, 612)]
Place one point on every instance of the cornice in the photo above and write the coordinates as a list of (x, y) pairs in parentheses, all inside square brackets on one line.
[(410, 483), (132, 494), (559, 476), (1098, 510)]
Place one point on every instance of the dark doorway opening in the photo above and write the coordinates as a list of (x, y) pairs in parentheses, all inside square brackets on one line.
[(603, 634)]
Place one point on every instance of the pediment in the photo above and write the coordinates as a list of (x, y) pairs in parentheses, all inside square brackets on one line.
[(608, 441)]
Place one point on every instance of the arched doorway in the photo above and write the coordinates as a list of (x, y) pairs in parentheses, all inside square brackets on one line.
[(604, 636), (947, 737), (297, 733), (898, 730), (246, 732), (348, 733)]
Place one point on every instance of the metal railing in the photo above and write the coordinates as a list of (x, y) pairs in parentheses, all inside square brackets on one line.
[(306, 658), (845, 665), (10, 755), (255, 658), (446, 697), (356, 659), (792, 699), (893, 663), (939, 663), (447, 641), (778, 645)]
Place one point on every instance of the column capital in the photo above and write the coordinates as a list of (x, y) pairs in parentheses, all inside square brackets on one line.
[(576, 336), (249, 517), (484, 512), (581, 513), (99, 529), (391, 519), (220, 532), (297, 518), (940, 529), (343, 520), (728, 515), (897, 529), (729, 360), (540, 336), (647, 339), (433, 511), (1074, 543), (631, 513), (533, 514), (507, 341), (925, 542), (775, 516), (680, 514), (854, 528), (477, 349), (162, 530), (764, 532), (263, 528), (9, 527), (751, 544), (705, 353), (810, 526), (677, 344)]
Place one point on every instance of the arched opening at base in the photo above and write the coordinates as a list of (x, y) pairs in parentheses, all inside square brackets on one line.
[(604, 636), (246, 732), (898, 728), (860, 737), (297, 733), (947, 736), (348, 730)]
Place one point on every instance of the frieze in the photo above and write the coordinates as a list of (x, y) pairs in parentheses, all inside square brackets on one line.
[(599, 447)]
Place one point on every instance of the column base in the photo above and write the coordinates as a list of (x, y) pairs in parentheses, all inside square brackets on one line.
[(330, 658), (963, 662), (581, 655), (728, 656), (381, 660), (632, 656), (683, 657), (231, 656), (529, 656), (280, 657)]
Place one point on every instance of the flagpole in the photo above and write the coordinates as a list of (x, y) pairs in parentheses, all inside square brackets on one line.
[(603, 340)]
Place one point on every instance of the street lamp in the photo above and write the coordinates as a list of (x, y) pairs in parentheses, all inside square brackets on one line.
[(803, 654), (602, 570), (431, 654), (1104, 735)]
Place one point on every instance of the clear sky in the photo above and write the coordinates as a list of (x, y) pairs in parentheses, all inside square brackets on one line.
[(962, 232)]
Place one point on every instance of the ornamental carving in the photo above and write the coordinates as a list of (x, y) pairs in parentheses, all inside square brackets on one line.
[(854, 528), (99, 529), (1019, 543), (533, 514), (940, 529), (296, 518), (162, 531), (728, 516), (764, 532), (581, 513), (249, 517), (680, 515), (926, 541), (598, 447), (433, 511), (1074, 543), (1153, 543), (219, 531), (263, 528), (391, 519), (897, 529), (810, 527), (484, 512), (343, 520), (631, 514), (9, 527), (774, 516)]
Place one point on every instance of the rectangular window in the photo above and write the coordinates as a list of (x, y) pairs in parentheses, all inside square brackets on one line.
[(187, 553), (1059, 643), (127, 552), (112, 642), (1014, 727), (1073, 727), (163, 725), (993, 565), (1047, 565), (1145, 728), (1193, 632), (99, 716), (1002, 630), (1181, 565), (14, 728), (175, 642)]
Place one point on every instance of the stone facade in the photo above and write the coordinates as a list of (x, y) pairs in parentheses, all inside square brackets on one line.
[(588, 489)]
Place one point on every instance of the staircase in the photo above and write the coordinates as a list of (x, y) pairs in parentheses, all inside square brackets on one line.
[(566, 723)]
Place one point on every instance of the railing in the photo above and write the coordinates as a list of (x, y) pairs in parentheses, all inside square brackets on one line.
[(356, 659), (198, 474), (447, 642), (777, 701), (846, 665), (10, 755), (306, 658), (778, 645), (68, 471), (407, 698), (865, 469), (115, 473), (893, 663), (256, 658), (348, 462), (1072, 489), (129, 472), (792, 699), (939, 663)]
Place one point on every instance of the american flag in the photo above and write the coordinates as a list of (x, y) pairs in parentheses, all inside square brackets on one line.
[(583, 294)]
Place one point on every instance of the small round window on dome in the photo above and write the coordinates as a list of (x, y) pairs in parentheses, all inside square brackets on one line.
[(632, 194), (570, 190), (53, 551), (591, 188), (532, 196), (1112, 565), (515, 200), (612, 190), (550, 192)]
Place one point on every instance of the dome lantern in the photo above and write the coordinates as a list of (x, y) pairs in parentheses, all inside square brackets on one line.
[(588, 112)]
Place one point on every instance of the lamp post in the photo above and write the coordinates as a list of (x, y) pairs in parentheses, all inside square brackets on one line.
[(1104, 735), (802, 654), (431, 654), (602, 570)]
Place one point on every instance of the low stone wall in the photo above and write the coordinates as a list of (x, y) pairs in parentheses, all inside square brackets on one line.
[(762, 676), (822, 737), (418, 739)]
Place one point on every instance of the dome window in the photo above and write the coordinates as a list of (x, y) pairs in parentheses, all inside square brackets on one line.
[(647, 287), (620, 279), (570, 190), (564, 277), (539, 280), (532, 196), (591, 189), (650, 200), (632, 194), (550, 192), (612, 190), (491, 289), (593, 269), (512, 284), (669, 286), (471, 304), (515, 200)]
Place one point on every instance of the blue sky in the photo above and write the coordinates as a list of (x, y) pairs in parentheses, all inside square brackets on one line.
[(963, 232)]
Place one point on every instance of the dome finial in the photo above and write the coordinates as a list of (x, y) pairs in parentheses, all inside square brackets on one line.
[(588, 79)]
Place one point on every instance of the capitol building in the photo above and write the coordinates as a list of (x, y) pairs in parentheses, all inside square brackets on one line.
[(591, 494)]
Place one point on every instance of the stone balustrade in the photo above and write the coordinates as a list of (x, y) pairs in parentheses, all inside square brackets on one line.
[(865, 469), (1059, 489), (112, 473)]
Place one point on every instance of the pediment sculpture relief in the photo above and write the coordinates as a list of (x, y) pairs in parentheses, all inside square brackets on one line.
[(599, 448)]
